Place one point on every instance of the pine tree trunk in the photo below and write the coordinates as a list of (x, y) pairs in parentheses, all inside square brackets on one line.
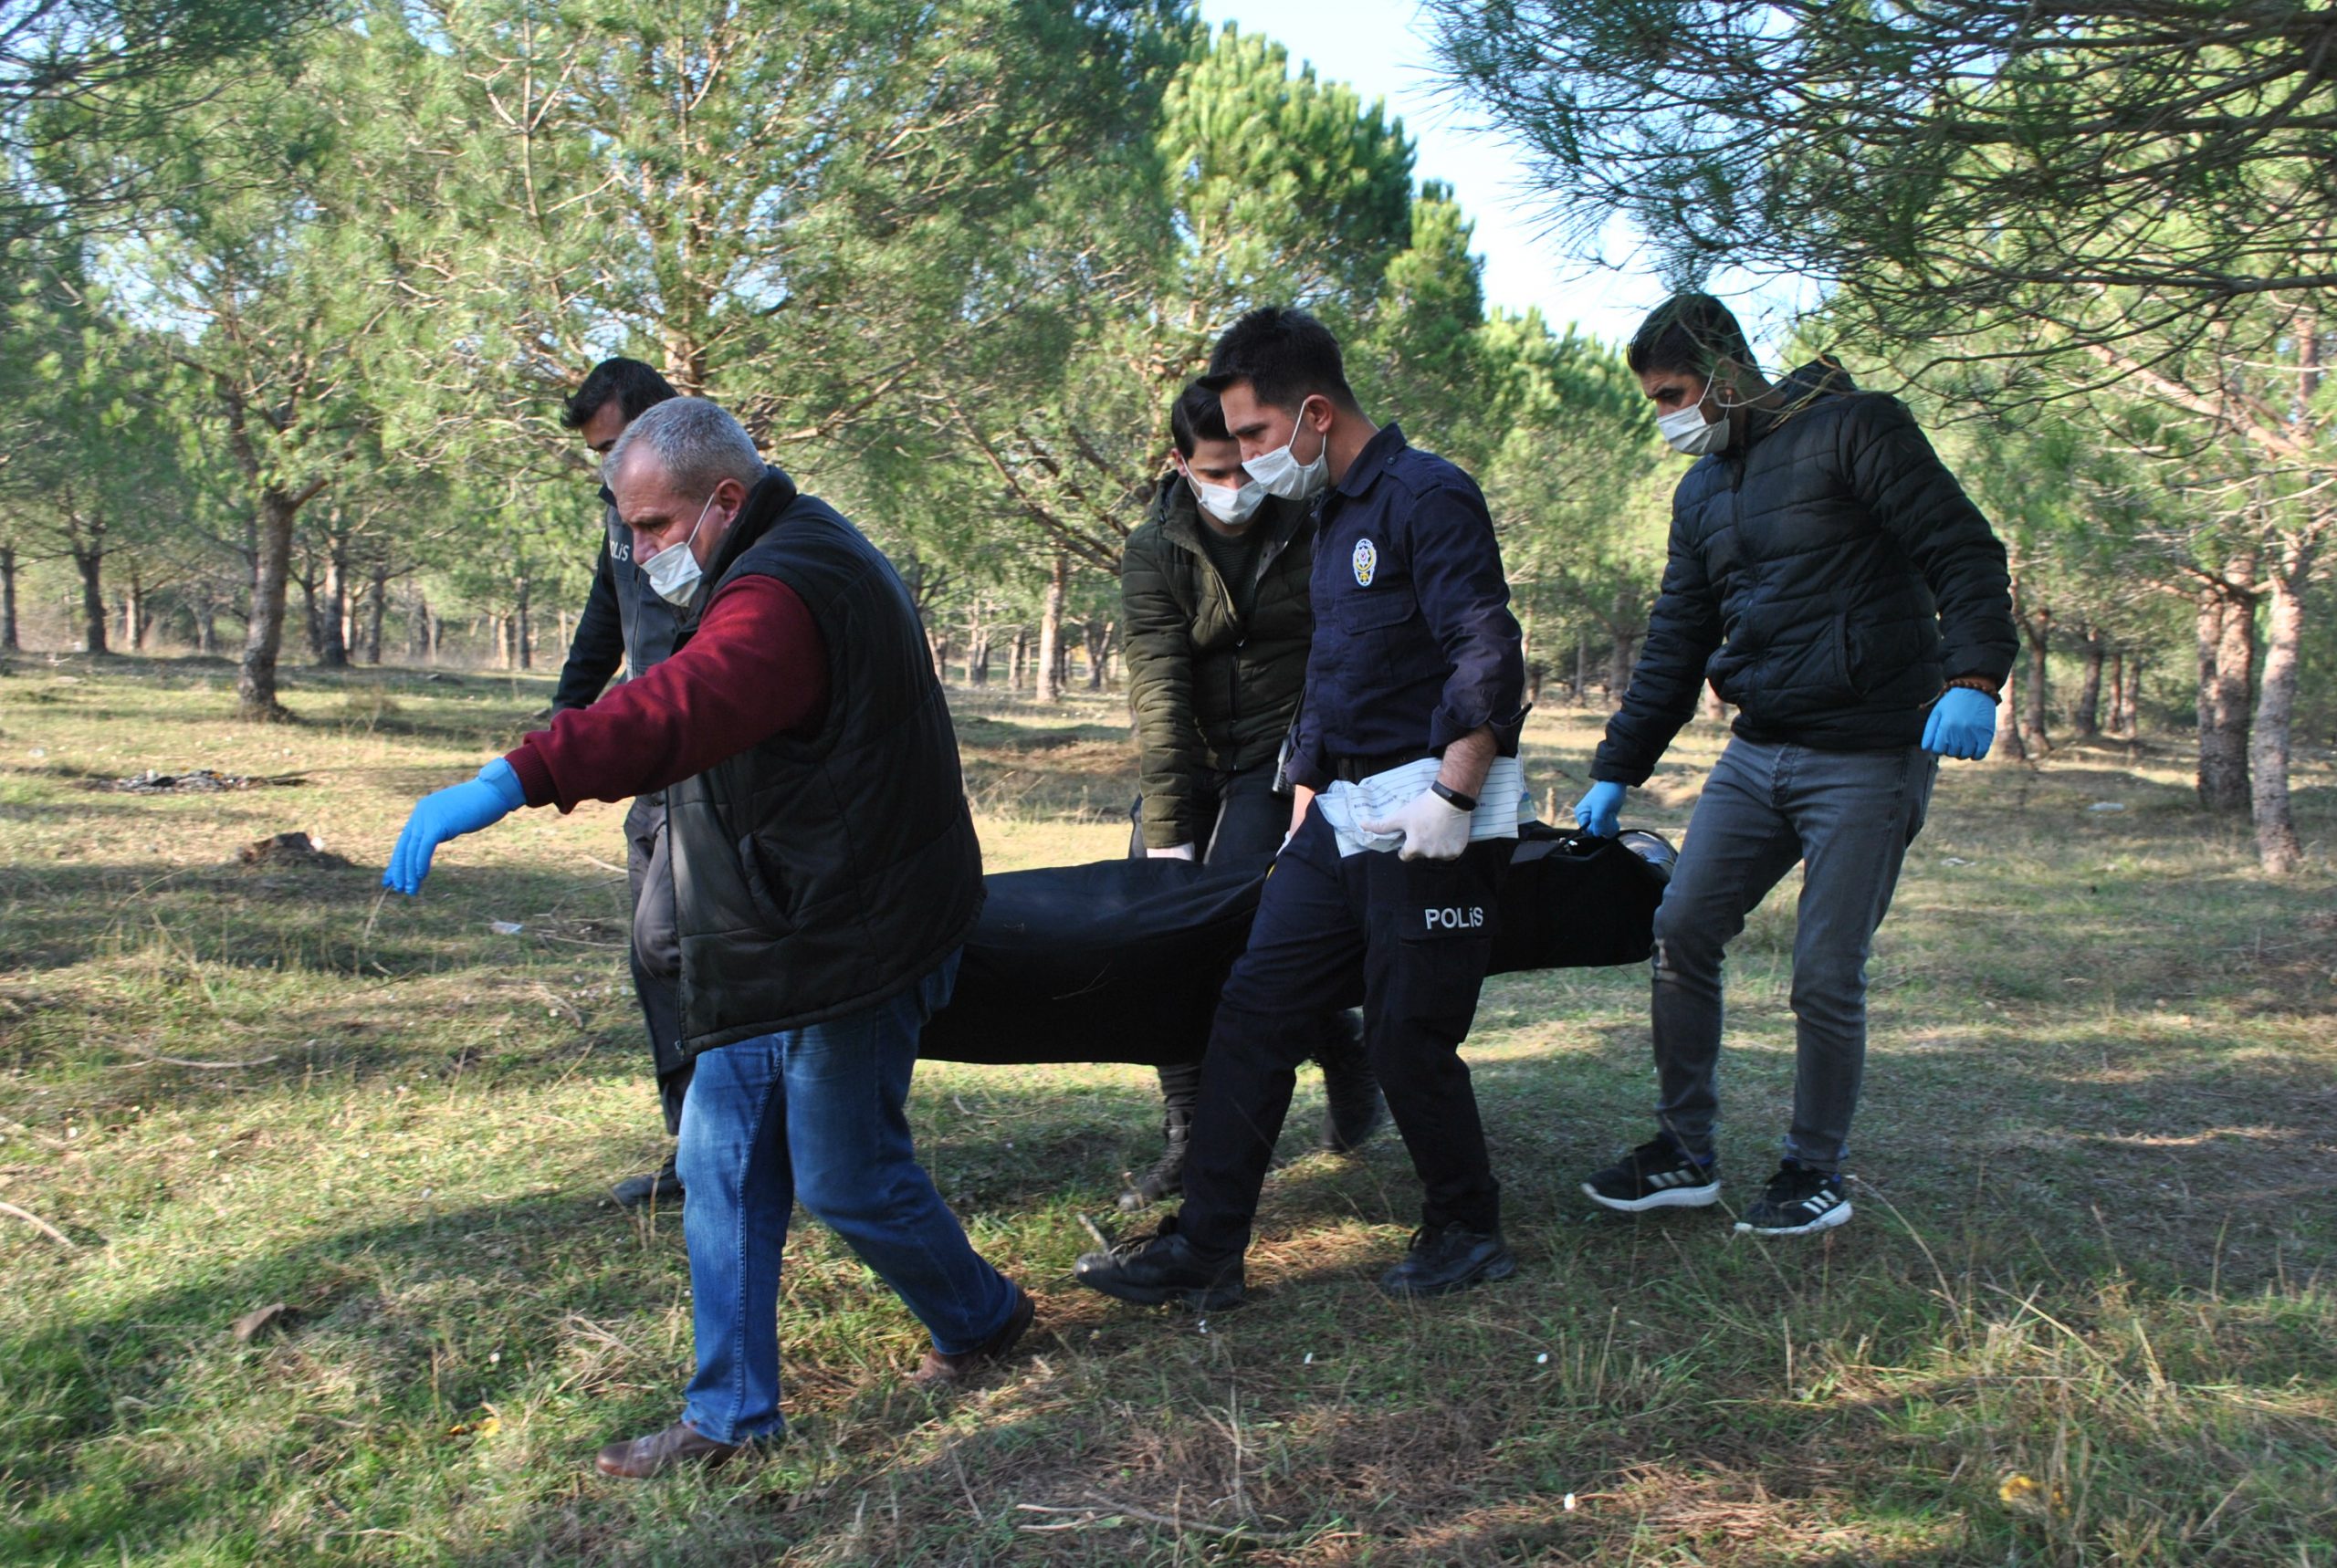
[(523, 628), (1619, 653), (2008, 746), (377, 605), (2085, 718), (2117, 690), (2129, 717), (2037, 630), (1017, 658), (263, 635), (1715, 710), (1050, 673), (2226, 636), (91, 564), (332, 616), (1099, 651), (2277, 848), (8, 643), (1582, 670)]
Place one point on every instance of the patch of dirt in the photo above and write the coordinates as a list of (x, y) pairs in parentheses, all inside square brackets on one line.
[(199, 781), (294, 849)]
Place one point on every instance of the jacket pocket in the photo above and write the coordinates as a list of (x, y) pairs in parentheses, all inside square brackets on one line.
[(1369, 608), (656, 928), (763, 890)]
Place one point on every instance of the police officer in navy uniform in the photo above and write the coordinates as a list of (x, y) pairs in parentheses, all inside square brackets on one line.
[(1408, 791), (624, 621)]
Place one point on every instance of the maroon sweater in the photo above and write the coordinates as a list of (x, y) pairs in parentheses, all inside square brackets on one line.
[(756, 667)]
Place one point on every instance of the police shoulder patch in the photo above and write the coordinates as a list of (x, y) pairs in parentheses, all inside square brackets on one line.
[(1367, 561)]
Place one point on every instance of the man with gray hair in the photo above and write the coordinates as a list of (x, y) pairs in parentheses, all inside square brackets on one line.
[(825, 876)]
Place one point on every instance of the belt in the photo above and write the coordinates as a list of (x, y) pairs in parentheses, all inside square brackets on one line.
[(1356, 769)]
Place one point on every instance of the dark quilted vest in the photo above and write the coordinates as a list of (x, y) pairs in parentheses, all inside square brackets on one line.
[(817, 876)]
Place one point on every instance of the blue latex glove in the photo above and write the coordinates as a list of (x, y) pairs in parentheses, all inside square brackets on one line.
[(1963, 724), (467, 808), (1597, 811)]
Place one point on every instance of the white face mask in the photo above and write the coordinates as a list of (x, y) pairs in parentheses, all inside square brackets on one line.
[(1231, 505), (1689, 434), (674, 571), (1280, 474)]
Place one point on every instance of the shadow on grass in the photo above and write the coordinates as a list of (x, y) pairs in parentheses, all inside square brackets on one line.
[(109, 966)]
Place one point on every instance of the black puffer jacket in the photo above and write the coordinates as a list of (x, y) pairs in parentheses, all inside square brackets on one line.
[(1210, 687), (1829, 579)]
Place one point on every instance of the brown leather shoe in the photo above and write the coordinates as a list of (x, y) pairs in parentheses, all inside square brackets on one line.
[(638, 1459), (937, 1370)]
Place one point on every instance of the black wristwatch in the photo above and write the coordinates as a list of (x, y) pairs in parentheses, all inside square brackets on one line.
[(1451, 797)]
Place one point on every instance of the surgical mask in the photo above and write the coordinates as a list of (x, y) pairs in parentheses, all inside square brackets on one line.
[(1285, 475), (1231, 505), (1689, 434), (674, 571)]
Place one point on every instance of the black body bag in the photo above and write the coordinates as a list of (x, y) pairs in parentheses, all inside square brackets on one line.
[(1122, 960)]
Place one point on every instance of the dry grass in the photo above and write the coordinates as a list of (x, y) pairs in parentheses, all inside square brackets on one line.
[(2082, 1317)]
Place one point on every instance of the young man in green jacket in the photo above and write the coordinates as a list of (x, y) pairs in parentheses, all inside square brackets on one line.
[(1213, 590)]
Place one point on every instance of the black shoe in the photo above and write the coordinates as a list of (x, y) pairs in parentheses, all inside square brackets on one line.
[(1352, 1107), (1166, 1177), (663, 1186), (1160, 1269), (1448, 1258), (1798, 1200), (1657, 1175)]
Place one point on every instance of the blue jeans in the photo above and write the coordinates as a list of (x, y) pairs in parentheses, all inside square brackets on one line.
[(815, 1113), (1848, 817)]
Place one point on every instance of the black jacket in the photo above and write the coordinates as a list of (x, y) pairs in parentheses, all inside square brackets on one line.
[(623, 621), (1210, 688), (1828, 579), (1414, 643), (818, 876)]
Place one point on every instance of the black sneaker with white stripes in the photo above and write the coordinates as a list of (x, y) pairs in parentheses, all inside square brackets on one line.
[(1658, 1174), (1798, 1201)]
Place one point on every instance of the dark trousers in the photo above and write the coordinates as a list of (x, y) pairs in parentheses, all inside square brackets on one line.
[(1246, 819), (1410, 940), (661, 1002)]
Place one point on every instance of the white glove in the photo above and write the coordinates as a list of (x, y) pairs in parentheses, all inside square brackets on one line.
[(1434, 829), (1173, 852)]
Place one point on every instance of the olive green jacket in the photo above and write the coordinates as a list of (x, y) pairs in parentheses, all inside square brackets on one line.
[(1211, 690)]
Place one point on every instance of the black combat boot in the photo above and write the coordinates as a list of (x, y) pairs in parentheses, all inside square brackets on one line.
[(1448, 1258), (1181, 1086), (1160, 1269), (1352, 1107)]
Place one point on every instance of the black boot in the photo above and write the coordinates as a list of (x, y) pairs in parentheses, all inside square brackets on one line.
[(663, 1186), (1446, 1258), (1352, 1107), (1161, 1269), (1166, 1177)]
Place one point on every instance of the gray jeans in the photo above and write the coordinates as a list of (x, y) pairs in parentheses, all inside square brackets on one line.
[(1849, 816)]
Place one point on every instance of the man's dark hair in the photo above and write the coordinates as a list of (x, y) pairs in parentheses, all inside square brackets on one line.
[(1286, 355), (636, 388), (1689, 332), (1195, 416)]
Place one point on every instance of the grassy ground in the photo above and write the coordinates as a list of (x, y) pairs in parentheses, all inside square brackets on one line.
[(2083, 1316)]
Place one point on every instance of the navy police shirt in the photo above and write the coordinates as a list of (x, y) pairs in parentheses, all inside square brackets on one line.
[(1414, 645)]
